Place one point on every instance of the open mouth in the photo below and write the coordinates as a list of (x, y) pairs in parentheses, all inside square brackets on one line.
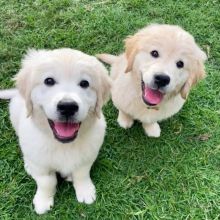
[(151, 96), (64, 132)]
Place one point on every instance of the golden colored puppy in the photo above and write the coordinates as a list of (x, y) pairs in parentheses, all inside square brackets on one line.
[(153, 77)]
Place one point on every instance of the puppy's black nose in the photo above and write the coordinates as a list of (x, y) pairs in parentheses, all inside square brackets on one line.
[(161, 80), (67, 108)]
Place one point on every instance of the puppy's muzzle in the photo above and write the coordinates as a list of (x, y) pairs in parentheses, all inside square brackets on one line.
[(67, 108), (161, 80)]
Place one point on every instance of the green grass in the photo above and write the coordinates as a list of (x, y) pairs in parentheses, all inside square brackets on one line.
[(174, 177)]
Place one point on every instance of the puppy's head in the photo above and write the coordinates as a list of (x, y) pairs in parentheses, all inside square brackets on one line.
[(65, 85), (166, 60)]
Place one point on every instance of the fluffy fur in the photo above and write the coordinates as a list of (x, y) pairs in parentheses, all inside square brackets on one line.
[(137, 67), (34, 102)]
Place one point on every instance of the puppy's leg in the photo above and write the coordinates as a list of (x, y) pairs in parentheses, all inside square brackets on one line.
[(152, 130), (124, 120), (44, 197), (85, 189)]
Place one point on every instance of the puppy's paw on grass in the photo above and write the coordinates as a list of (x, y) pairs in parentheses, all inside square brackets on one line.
[(42, 204), (85, 192), (152, 130), (124, 120)]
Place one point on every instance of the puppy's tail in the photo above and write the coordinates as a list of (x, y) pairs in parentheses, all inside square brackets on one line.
[(107, 58), (8, 93)]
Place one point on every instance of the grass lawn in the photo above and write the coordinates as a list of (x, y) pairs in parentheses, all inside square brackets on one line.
[(176, 176)]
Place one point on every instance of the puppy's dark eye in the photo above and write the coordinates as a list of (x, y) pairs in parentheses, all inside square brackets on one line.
[(49, 81), (180, 64), (84, 84), (154, 53)]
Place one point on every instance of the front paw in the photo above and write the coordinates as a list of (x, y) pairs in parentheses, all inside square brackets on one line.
[(152, 130), (85, 192), (124, 120), (42, 203)]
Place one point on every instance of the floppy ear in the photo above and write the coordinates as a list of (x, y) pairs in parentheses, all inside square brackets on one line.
[(24, 79), (131, 48), (103, 91), (197, 72), (23, 83)]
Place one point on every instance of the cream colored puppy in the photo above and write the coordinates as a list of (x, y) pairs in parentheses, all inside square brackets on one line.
[(56, 113), (153, 77)]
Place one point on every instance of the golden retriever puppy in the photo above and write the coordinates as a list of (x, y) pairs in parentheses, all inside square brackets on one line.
[(56, 113), (152, 79)]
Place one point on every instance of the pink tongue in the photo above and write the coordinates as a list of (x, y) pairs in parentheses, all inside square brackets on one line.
[(66, 129), (152, 96)]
